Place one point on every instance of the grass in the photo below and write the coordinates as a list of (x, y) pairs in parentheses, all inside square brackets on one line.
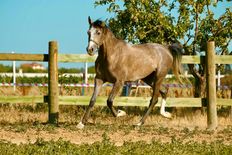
[(105, 147), (31, 113)]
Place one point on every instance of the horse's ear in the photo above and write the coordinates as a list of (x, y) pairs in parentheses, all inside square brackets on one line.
[(103, 24), (90, 21)]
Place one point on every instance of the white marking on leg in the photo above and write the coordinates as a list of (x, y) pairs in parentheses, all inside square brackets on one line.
[(162, 109), (80, 125), (121, 113), (139, 124)]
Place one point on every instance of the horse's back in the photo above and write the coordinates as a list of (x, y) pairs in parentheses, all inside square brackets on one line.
[(139, 60), (154, 51)]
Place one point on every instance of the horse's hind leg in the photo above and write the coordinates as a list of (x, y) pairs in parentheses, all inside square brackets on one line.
[(153, 101), (97, 86), (163, 103), (117, 86)]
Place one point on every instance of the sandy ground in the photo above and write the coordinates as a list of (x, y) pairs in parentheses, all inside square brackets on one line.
[(27, 125), (24, 128), (118, 137)]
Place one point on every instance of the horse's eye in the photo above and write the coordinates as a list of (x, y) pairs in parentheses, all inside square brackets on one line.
[(98, 32)]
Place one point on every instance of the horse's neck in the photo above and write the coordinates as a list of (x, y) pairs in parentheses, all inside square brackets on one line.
[(112, 45), (109, 45)]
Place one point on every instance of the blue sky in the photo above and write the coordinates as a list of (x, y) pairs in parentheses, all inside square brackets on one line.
[(28, 25)]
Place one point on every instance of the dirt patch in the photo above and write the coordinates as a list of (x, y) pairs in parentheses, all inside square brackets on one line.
[(26, 124), (118, 135)]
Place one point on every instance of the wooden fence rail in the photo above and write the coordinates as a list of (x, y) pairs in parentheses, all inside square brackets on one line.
[(54, 100), (190, 59), (119, 101)]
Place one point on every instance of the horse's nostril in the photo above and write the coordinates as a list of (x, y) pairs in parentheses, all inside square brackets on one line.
[(89, 49)]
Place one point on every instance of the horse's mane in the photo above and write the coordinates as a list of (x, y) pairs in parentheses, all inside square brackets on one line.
[(99, 23)]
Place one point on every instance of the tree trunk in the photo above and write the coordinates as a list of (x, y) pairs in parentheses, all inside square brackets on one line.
[(200, 83)]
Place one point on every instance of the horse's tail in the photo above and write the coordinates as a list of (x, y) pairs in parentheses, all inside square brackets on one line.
[(176, 50)]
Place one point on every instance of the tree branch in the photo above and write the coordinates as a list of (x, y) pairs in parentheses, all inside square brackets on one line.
[(196, 30)]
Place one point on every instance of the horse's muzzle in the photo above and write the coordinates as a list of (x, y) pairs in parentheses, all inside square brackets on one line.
[(90, 51)]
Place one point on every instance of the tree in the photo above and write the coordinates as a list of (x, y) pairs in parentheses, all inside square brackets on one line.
[(191, 23), (63, 70), (91, 69), (5, 68)]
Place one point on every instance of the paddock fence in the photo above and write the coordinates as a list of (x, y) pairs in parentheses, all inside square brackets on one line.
[(54, 100)]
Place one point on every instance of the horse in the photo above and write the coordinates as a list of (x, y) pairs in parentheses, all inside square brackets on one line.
[(118, 62)]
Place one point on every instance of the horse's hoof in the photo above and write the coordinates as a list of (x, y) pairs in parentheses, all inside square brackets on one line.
[(80, 125), (166, 114), (121, 113), (139, 124)]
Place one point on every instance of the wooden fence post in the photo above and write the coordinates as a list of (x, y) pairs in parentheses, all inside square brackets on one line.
[(53, 92), (211, 86)]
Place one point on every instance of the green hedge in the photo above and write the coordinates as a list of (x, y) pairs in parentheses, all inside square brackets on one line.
[(62, 79)]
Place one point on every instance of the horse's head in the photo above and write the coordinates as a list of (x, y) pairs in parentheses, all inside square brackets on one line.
[(96, 35)]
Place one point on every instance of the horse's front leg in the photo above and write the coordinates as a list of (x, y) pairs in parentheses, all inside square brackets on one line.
[(97, 87), (117, 86)]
